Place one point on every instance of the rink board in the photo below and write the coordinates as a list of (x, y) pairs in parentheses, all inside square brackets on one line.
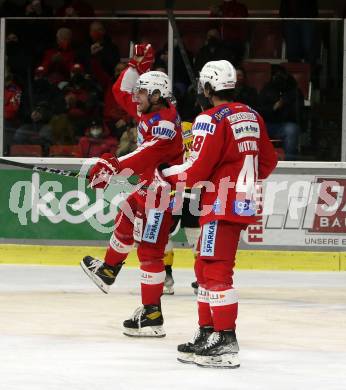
[(60, 217)]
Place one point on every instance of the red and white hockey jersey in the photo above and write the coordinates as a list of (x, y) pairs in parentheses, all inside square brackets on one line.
[(159, 136), (231, 151)]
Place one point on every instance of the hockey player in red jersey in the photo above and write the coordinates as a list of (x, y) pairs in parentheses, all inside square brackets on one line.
[(231, 152), (145, 95)]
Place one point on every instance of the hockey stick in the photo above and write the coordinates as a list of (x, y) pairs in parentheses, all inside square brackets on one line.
[(61, 172), (38, 168), (171, 18), (186, 60)]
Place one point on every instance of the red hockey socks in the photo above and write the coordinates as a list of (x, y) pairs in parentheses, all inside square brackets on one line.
[(152, 278), (224, 309)]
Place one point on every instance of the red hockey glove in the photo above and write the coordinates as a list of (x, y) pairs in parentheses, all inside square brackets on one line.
[(143, 64), (101, 173)]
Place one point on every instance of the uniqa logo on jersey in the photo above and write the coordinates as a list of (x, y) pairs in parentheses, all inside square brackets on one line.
[(208, 239)]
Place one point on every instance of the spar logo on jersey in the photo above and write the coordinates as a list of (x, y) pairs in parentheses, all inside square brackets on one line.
[(245, 129), (152, 227), (208, 239)]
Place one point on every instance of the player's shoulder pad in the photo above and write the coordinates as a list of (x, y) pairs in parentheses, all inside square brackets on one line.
[(164, 129), (204, 124)]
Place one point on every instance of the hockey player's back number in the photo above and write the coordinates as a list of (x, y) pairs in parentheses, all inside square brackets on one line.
[(248, 176)]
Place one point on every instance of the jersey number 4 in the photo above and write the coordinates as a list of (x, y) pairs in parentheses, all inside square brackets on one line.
[(248, 176)]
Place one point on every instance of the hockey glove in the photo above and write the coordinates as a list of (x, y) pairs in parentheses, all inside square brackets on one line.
[(101, 173), (143, 58)]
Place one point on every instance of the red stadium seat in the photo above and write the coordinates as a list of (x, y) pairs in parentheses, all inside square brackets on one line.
[(301, 72), (257, 73), (266, 40), (26, 151), (63, 151)]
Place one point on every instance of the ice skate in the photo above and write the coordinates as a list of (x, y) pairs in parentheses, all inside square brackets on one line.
[(168, 284), (147, 321), (186, 352), (220, 351), (100, 273)]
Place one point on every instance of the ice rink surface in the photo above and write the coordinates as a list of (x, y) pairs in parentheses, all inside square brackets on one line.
[(59, 332)]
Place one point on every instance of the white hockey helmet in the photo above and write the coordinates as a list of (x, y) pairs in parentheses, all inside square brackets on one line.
[(219, 74), (155, 81)]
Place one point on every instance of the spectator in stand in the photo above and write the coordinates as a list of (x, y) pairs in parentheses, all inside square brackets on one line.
[(214, 49), (128, 142), (17, 57), (281, 103), (59, 59), (41, 90), (63, 132), (116, 119), (75, 8), (242, 92), (234, 32), (181, 79), (301, 36), (37, 8), (99, 55), (9, 8), (37, 131), (82, 97), (97, 141), (12, 99)]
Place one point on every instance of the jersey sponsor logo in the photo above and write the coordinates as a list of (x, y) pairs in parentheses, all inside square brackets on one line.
[(221, 114), (244, 208), (162, 132), (203, 295), (208, 239), (242, 116), (222, 298), (247, 146), (140, 138), (217, 206), (152, 227), (245, 129), (204, 126), (154, 119), (137, 229), (152, 278)]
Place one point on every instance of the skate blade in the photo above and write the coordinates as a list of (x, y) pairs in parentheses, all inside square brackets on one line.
[(187, 358), (98, 281), (148, 331), (230, 360)]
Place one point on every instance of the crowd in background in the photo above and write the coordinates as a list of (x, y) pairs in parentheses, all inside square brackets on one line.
[(59, 77)]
